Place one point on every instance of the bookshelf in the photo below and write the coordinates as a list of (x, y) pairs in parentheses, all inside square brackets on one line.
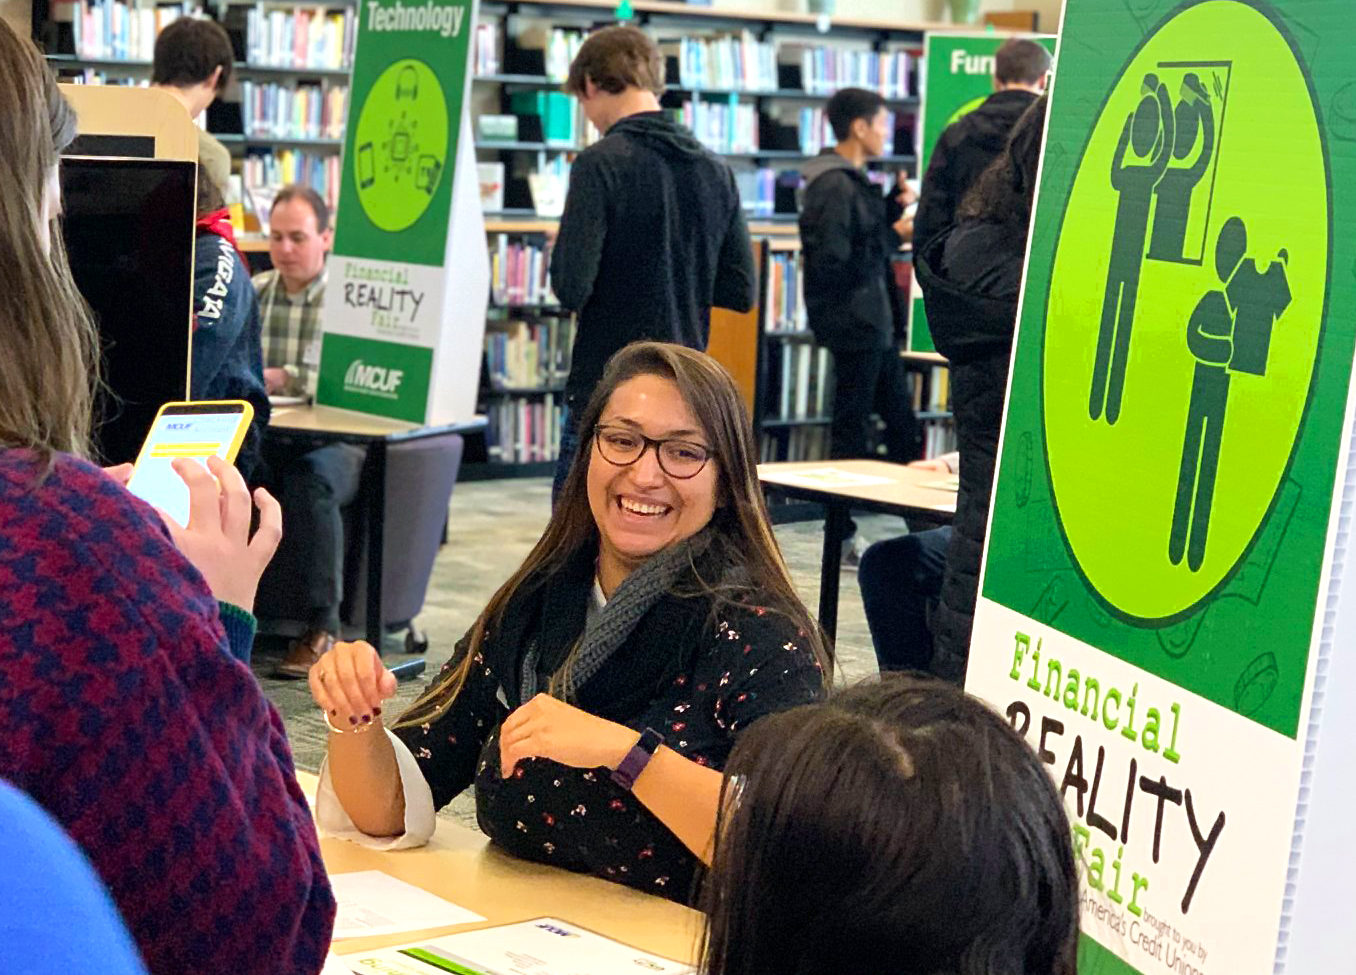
[(282, 116)]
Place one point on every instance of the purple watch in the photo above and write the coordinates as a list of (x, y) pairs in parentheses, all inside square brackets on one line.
[(637, 758)]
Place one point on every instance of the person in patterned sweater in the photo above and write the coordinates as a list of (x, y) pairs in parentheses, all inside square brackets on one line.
[(600, 692), (128, 714)]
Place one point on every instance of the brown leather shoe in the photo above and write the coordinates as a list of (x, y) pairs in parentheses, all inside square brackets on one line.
[(308, 649)]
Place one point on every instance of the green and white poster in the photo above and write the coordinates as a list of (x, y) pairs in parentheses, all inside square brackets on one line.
[(409, 234), (957, 78), (1159, 601)]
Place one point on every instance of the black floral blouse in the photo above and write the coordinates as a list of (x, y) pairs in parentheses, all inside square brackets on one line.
[(696, 677)]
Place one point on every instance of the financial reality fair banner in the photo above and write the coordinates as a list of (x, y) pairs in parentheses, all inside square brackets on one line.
[(406, 244), (1165, 524), (958, 77)]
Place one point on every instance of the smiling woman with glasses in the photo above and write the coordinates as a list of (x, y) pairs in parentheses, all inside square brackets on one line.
[(594, 701)]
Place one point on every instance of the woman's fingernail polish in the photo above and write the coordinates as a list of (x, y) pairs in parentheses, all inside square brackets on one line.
[(377, 711), (334, 712), (352, 719), (367, 718)]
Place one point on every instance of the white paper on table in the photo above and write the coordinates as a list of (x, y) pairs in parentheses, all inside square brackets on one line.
[(375, 903), (334, 965), (829, 477), (546, 946)]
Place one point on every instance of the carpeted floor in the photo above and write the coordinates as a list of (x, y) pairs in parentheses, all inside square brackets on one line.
[(492, 526)]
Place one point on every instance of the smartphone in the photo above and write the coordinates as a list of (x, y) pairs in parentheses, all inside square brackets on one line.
[(367, 169), (195, 430)]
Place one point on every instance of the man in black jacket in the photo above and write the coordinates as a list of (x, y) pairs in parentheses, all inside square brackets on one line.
[(968, 145), (849, 231), (653, 234)]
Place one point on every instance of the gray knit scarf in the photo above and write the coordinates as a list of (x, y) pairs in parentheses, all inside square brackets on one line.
[(608, 629)]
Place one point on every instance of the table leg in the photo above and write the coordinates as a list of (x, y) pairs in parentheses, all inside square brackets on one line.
[(375, 473), (835, 529)]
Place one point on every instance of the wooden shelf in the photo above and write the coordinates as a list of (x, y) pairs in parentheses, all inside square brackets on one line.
[(718, 15), (924, 358), (135, 67)]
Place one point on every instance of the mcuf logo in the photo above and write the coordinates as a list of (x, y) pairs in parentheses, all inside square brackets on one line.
[(373, 379), (558, 931)]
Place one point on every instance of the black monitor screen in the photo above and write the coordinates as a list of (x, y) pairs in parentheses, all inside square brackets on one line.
[(128, 228)]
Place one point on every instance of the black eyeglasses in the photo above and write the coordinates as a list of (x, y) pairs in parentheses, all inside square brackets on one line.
[(622, 447)]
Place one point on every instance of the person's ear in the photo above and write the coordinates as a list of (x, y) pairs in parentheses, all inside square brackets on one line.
[(327, 238), (214, 80)]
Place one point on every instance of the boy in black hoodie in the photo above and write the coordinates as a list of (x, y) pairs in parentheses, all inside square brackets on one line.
[(969, 145), (849, 230), (653, 234)]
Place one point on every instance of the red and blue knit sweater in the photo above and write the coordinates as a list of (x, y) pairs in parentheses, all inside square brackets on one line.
[(123, 713)]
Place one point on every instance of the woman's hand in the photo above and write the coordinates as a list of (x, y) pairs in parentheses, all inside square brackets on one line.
[(547, 728), (122, 473), (217, 540), (349, 682)]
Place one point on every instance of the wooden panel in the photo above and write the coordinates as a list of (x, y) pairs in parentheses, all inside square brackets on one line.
[(1023, 20), (123, 110), (734, 337)]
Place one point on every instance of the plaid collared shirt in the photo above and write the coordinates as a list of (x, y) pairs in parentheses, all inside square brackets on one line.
[(291, 329)]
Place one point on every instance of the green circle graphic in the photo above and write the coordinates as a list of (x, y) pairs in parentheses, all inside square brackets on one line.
[(1185, 309), (966, 109), (401, 145)]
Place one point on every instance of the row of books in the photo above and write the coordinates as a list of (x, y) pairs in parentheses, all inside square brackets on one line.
[(110, 29), (274, 111), (485, 49), (823, 70), (519, 273), (785, 298), (302, 38), (528, 355), (932, 390), (523, 429), (275, 169), (721, 126), (757, 190), (802, 376), (939, 437), (740, 62), (797, 443)]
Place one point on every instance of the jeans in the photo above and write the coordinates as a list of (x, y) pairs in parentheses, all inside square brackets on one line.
[(305, 580), (901, 579), (569, 446)]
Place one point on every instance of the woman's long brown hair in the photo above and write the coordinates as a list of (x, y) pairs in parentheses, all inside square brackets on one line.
[(743, 532), (48, 344)]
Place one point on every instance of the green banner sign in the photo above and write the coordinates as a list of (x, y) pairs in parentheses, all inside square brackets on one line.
[(958, 77), (385, 304), (1165, 515)]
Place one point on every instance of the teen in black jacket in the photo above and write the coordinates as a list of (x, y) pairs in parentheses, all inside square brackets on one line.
[(851, 300)]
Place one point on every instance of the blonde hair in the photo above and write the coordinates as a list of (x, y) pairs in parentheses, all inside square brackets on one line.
[(48, 343), (742, 529)]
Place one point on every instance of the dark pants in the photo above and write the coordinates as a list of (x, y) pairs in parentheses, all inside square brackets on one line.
[(867, 381), (872, 380), (305, 580), (901, 579)]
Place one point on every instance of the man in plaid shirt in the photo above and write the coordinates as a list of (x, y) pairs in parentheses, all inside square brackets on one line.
[(305, 580)]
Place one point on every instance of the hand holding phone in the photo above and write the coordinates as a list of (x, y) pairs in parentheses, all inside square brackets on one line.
[(216, 539)]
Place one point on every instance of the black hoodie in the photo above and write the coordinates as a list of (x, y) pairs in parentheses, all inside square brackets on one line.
[(652, 237), (964, 151)]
